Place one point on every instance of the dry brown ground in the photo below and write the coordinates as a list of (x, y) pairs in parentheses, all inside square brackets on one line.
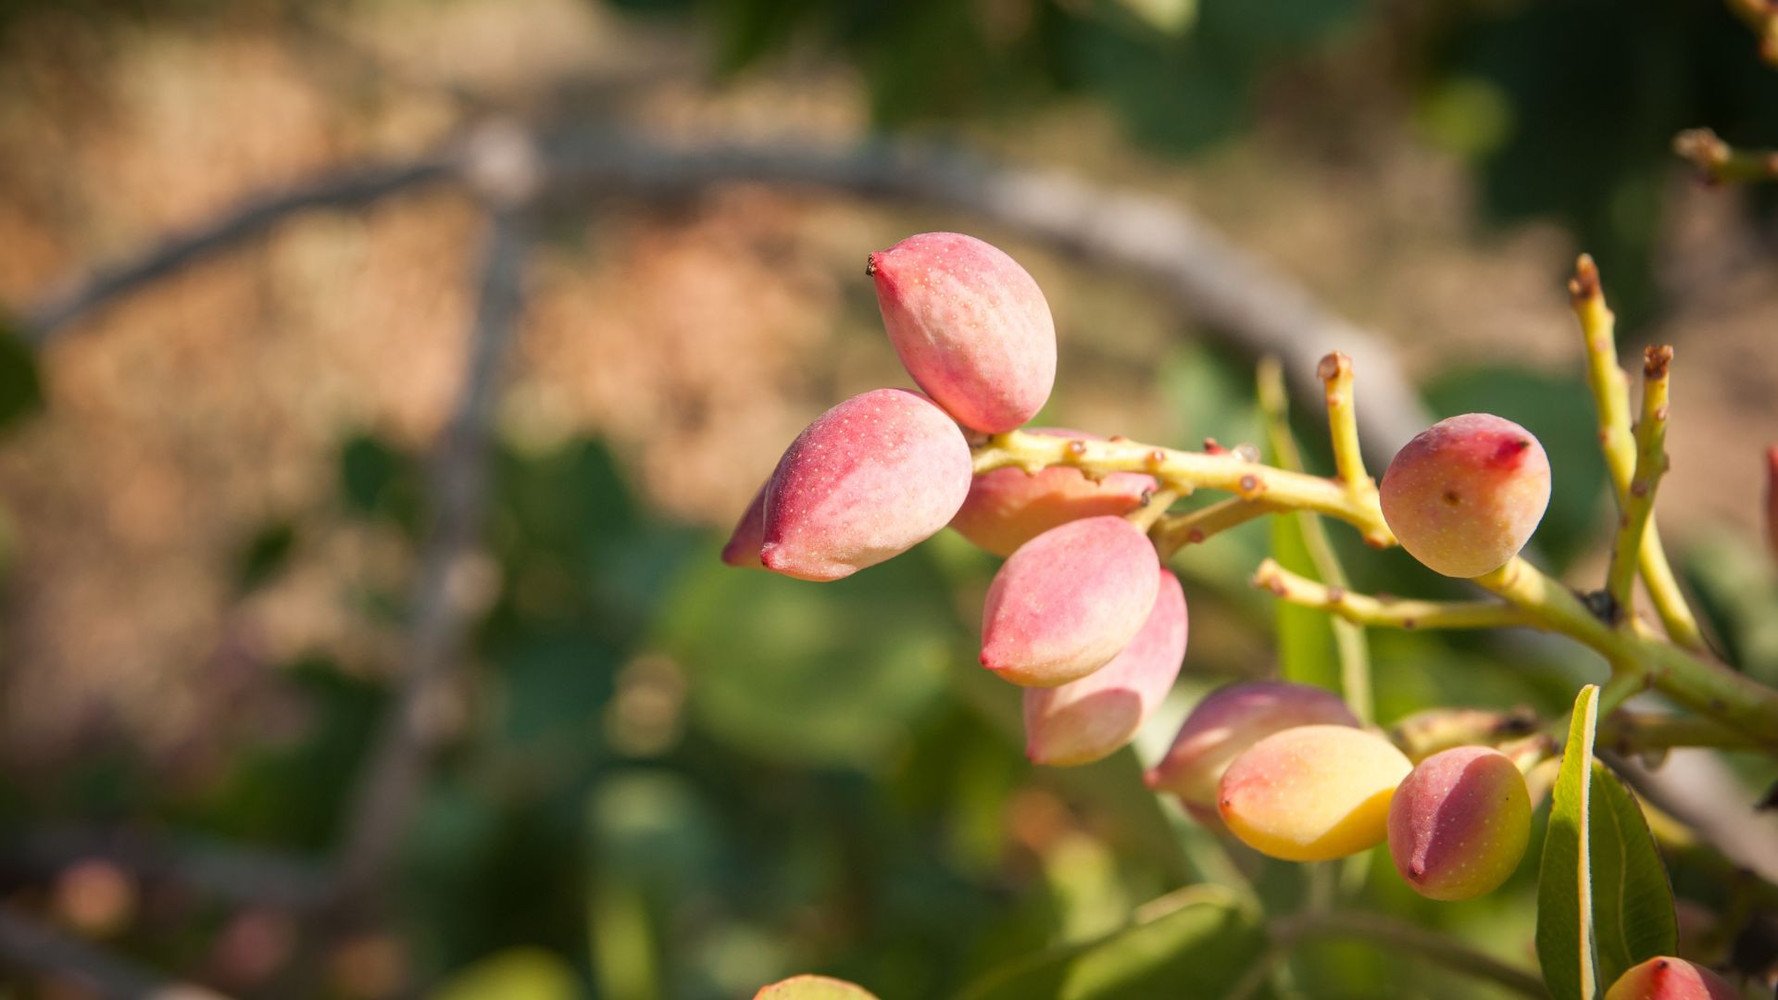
[(699, 339)]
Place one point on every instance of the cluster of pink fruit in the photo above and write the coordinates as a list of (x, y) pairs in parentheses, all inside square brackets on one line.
[(1087, 620)]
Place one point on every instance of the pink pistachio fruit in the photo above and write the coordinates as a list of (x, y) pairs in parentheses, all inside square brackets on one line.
[(1228, 721), (1090, 718), (1068, 600), (970, 325), (869, 479), (1464, 496)]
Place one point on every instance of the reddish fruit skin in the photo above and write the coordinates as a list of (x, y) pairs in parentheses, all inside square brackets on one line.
[(1089, 719), (868, 480), (1458, 825), (1008, 507), (742, 549), (1227, 722), (1668, 978), (1068, 600), (970, 325), (1465, 495)]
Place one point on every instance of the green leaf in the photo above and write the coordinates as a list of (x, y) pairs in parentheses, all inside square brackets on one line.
[(514, 974), (1604, 903), (1306, 650), (1195, 943), (1564, 892), (1633, 918)]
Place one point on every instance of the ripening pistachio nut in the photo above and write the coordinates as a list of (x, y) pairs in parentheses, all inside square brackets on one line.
[(1458, 825), (1464, 496), (1667, 978), (869, 479), (1068, 600), (970, 325), (1228, 721), (1313, 793), (1091, 718)]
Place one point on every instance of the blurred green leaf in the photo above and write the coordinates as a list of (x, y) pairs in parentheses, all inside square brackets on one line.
[(1738, 595), (812, 672), (21, 387), (513, 974), (1196, 943), (265, 554), (1306, 650), (554, 685), (378, 480)]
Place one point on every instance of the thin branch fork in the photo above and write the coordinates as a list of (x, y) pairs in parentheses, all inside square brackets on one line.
[(1611, 399)]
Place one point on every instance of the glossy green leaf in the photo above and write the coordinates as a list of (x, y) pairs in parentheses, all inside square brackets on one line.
[(1604, 903), (1633, 917), (1196, 943), (1564, 892)]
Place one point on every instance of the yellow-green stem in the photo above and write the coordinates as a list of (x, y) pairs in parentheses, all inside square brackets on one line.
[(1380, 612), (1651, 463), (1350, 645), (1703, 685), (1175, 531), (1186, 471), (1611, 398)]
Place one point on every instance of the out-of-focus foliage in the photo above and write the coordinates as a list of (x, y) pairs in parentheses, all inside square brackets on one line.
[(1564, 110)]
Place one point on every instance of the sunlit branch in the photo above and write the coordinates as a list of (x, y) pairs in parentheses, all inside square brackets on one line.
[(1380, 612), (1611, 398)]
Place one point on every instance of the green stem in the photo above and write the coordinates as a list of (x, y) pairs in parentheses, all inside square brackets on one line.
[(1397, 937), (1350, 645), (1611, 398), (1703, 685)]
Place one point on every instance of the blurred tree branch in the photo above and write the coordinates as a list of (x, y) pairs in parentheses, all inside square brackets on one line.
[(1245, 302), (1720, 163), (28, 945), (223, 870), (501, 166)]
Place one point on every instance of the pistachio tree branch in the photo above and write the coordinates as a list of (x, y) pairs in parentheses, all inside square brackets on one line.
[(1633, 651), (1384, 612), (1335, 372), (1651, 464), (1635, 731), (27, 945), (1175, 531), (1186, 471), (1704, 685), (1720, 163), (1611, 398), (1760, 16), (388, 791), (1400, 937)]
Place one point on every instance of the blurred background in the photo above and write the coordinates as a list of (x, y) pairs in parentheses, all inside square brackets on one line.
[(361, 628)]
